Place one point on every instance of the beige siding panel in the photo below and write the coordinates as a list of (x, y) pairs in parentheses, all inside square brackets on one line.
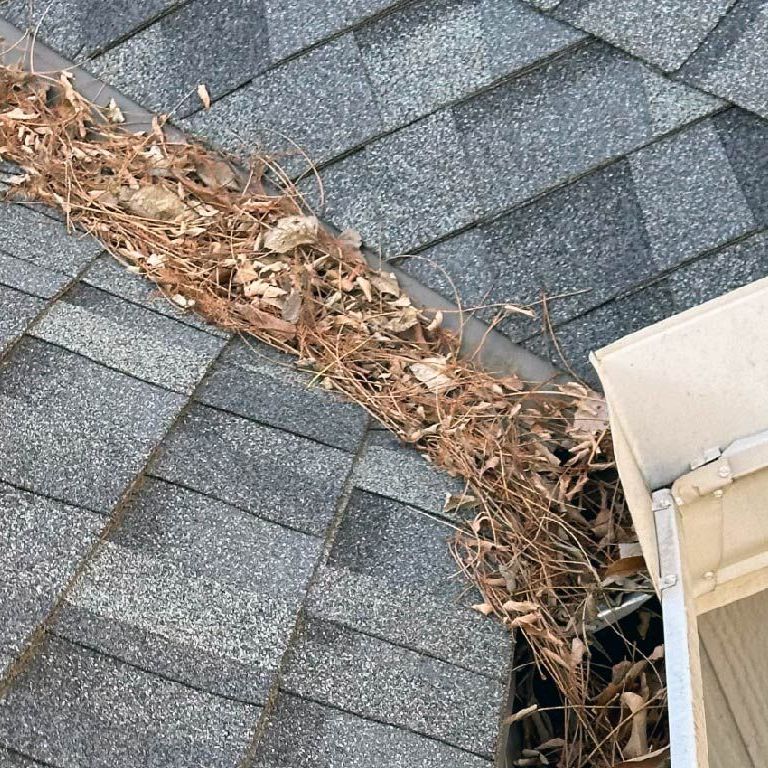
[(736, 644), (726, 746)]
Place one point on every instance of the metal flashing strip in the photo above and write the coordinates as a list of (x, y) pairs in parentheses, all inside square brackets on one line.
[(688, 735)]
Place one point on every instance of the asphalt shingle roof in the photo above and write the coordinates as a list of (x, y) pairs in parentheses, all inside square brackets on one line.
[(73, 706), (313, 736), (44, 542), (180, 507), (195, 590), (367, 676), (716, 45), (274, 583), (73, 430)]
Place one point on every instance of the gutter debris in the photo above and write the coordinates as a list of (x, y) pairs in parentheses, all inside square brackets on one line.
[(546, 526)]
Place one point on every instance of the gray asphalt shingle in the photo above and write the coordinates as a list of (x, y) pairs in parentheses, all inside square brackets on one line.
[(517, 38), (415, 58), (273, 474), (390, 573), (664, 32), (295, 24), (17, 311), (194, 589), (462, 268), (556, 122), (260, 383), (304, 734), (131, 339), (586, 240), (720, 272), (74, 707), (604, 324), (690, 197), (745, 138), (383, 188), (77, 28), (43, 544), (365, 676), (399, 472), (733, 61), (436, 51), (423, 162), (350, 194), (583, 243), (672, 104), (74, 430), (110, 276), (161, 66), (10, 759), (37, 281), (319, 104), (33, 237)]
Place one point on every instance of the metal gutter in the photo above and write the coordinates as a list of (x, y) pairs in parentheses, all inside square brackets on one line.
[(491, 349)]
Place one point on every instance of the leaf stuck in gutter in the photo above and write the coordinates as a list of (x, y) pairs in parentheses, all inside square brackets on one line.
[(204, 96)]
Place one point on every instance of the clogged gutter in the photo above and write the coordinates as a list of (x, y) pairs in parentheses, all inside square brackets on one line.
[(547, 525)]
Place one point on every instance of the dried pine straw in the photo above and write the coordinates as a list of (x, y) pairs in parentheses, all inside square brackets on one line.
[(546, 515)]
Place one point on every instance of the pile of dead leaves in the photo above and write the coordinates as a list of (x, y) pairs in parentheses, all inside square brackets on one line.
[(544, 510)]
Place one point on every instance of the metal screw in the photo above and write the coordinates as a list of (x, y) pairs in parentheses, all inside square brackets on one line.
[(709, 575), (724, 471), (718, 494)]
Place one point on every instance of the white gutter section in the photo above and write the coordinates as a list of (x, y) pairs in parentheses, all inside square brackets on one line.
[(688, 403)]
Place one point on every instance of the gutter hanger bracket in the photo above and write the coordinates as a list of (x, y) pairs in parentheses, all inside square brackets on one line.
[(743, 457)]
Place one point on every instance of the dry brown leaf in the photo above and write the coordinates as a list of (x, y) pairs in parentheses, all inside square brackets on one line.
[(403, 322), (183, 301), (658, 653), (456, 501), (153, 202), (291, 232), (528, 621), (387, 284), (436, 322), (113, 113), (292, 307), (637, 745), (578, 651), (245, 273), (263, 289), (591, 417), (520, 606), (204, 96), (365, 286), (266, 322), (215, 173), (431, 372), (520, 714), (17, 113), (625, 566), (655, 759)]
